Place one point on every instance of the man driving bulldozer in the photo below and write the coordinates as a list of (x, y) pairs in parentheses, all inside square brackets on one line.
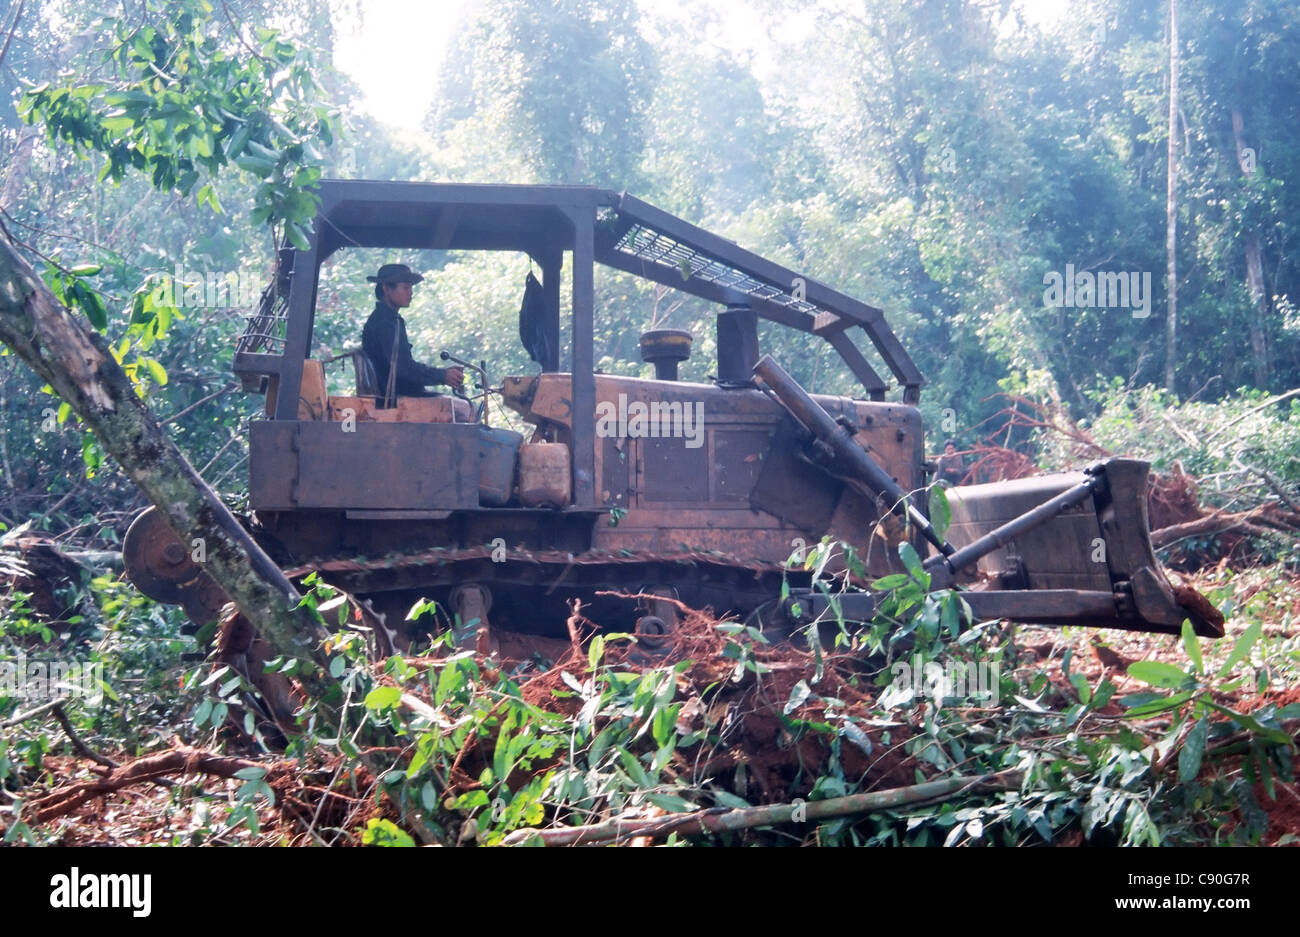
[(952, 467), (386, 346)]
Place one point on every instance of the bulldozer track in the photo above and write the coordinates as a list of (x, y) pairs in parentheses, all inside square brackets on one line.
[(531, 588)]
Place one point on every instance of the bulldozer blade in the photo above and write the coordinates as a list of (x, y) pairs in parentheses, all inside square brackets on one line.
[(1096, 547)]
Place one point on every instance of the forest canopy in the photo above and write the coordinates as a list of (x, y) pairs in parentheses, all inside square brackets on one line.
[(1079, 220)]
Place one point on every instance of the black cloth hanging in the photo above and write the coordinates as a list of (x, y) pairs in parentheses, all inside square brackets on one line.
[(532, 322)]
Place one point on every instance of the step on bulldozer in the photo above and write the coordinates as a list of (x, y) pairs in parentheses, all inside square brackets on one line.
[(637, 496)]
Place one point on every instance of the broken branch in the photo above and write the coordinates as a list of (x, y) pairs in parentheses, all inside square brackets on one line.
[(65, 799), (719, 820)]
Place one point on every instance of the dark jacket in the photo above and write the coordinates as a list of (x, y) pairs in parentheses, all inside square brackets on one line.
[(952, 468), (377, 342)]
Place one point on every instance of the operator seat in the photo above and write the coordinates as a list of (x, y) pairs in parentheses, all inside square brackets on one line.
[(367, 383)]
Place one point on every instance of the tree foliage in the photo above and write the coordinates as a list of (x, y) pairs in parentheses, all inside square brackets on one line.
[(937, 160)]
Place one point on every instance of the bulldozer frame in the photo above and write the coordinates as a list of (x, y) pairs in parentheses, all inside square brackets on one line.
[(713, 523)]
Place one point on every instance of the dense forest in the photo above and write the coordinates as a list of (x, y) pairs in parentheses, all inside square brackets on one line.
[(1082, 256)]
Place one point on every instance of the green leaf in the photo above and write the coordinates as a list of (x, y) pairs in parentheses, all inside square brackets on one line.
[(728, 799), (1158, 673), (1160, 705), (855, 735), (670, 802), (383, 697), (912, 562), (940, 511), (256, 165), (238, 140), (634, 769), (91, 305), (1130, 739), (1080, 684), (1193, 646), (202, 713), (208, 196), (250, 774), (799, 694), (1103, 695), (384, 833), (665, 724), (1189, 759), (297, 235), (1242, 647), (1249, 722), (950, 609)]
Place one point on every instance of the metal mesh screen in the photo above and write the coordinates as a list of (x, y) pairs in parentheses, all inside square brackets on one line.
[(654, 246)]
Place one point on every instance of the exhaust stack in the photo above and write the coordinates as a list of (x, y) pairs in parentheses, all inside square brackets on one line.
[(664, 348)]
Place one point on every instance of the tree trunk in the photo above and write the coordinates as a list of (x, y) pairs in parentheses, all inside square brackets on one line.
[(16, 174), (75, 360), (1171, 207), (1254, 269)]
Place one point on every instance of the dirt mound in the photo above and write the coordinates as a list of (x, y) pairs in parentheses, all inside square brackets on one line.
[(745, 706), (1173, 499)]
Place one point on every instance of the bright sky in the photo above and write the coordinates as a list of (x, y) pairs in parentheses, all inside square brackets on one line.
[(395, 51)]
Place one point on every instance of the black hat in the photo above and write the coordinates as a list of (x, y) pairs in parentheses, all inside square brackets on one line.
[(395, 273)]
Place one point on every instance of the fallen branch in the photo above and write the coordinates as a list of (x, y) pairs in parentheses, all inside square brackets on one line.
[(182, 760), (1210, 523), (426, 712), (1252, 411), (82, 748), (1258, 520), (1276, 487), (36, 711), (96, 559), (723, 819), (1181, 433)]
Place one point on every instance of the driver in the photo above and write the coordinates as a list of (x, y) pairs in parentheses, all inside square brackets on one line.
[(952, 467), (385, 343)]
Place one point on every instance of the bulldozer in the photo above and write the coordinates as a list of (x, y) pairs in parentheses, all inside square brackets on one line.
[(637, 496)]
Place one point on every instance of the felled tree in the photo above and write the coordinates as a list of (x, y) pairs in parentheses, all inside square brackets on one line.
[(187, 101)]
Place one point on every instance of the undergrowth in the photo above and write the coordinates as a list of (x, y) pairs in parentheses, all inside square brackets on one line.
[(447, 747)]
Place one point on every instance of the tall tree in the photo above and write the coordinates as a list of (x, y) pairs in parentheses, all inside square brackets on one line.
[(1254, 262), (1171, 209), (568, 88)]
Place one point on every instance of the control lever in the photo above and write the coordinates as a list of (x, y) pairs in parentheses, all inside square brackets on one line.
[(484, 385)]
